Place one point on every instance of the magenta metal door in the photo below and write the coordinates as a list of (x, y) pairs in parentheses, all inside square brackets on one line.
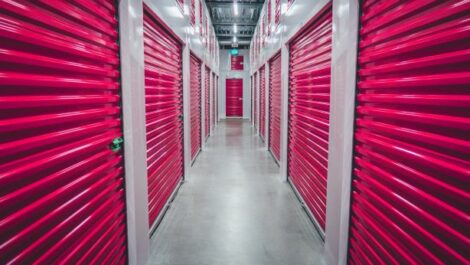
[(195, 105), (262, 103), (207, 117), (234, 97), (309, 104), (217, 100), (164, 110), (275, 105), (255, 100), (214, 95), (236, 62), (62, 194), (252, 91), (410, 196)]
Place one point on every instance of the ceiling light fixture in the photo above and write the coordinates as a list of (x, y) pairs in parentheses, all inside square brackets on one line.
[(234, 39), (235, 8), (235, 29)]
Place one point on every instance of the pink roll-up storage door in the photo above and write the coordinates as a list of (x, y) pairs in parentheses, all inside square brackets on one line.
[(217, 100), (255, 100), (262, 103), (252, 91), (236, 62), (275, 105), (213, 101), (164, 110), (309, 101), (234, 97), (410, 190), (62, 194), (195, 105), (207, 90)]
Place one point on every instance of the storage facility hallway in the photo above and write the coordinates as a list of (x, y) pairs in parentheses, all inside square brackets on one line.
[(234, 132), (234, 209)]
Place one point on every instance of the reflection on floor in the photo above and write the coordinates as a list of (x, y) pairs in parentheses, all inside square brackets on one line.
[(234, 209)]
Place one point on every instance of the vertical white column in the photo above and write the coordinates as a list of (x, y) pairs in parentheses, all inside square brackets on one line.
[(266, 109), (342, 101), (203, 106), (133, 104), (187, 110), (284, 111)]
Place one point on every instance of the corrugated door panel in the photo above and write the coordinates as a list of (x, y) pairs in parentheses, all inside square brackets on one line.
[(262, 103), (309, 104), (252, 91), (62, 186), (207, 116), (195, 97), (217, 100), (213, 101), (255, 100), (234, 97), (277, 13), (410, 196), (237, 62), (164, 110), (275, 105), (192, 18)]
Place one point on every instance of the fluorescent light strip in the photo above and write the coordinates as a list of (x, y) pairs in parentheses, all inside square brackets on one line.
[(235, 8)]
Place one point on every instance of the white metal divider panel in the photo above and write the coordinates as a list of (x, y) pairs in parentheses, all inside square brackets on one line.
[(262, 103), (275, 106), (410, 196), (62, 194), (164, 109), (195, 102), (309, 101)]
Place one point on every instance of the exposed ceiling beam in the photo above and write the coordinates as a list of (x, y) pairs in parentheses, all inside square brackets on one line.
[(238, 35), (229, 42), (238, 1), (230, 4), (243, 24)]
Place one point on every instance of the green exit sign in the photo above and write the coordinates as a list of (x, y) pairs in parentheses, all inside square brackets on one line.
[(234, 51)]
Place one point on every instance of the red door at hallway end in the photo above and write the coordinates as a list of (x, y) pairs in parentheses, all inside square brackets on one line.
[(234, 97)]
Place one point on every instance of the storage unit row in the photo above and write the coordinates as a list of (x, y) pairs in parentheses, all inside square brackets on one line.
[(63, 194), (411, 143)]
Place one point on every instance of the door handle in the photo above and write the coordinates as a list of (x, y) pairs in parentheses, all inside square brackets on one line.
[(116, 144)]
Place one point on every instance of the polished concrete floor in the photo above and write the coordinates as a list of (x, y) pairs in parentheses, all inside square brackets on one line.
[(235, 210)]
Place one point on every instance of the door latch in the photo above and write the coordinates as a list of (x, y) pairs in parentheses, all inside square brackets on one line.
[(181, 117), (116, 144)]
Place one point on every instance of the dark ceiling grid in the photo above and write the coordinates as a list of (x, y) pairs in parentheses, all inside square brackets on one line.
[(223, 18)]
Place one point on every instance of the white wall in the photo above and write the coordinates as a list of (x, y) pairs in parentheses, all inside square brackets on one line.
[(226, 72)]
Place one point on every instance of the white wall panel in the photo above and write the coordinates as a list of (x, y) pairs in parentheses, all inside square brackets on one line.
[(133, 97)]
